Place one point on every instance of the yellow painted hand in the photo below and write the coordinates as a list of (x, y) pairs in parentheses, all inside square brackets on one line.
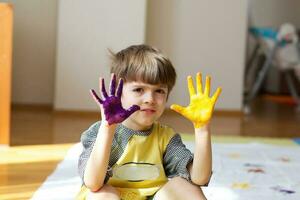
[(201, 105)]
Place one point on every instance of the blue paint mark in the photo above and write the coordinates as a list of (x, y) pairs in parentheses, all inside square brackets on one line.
[(252, 165), (282, 190), (297, 140)]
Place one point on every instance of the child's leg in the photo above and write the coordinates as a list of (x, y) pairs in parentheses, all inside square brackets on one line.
[(179, 189), (107, 192)]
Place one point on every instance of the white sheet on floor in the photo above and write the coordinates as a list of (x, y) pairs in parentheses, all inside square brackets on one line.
[(240, 172)]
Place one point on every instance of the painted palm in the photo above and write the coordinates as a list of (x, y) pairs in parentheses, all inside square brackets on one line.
[(201, 106), (111, 104)]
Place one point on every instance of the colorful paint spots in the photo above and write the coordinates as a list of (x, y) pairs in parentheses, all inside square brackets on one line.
[(284, 159), (252, 165), (243, 186), (234, 155), (256, 170), (283, 190)]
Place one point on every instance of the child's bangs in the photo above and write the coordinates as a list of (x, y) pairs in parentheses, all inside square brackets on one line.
[(152, 73), (145, 64)]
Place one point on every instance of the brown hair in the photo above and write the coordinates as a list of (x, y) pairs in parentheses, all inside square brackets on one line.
[(143, 63)]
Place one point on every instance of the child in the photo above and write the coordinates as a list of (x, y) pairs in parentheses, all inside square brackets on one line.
[(129, 155)]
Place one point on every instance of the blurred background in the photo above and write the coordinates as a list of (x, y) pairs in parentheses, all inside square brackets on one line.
[(59, 50)]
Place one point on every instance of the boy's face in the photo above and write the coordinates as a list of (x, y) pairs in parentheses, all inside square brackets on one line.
[(151, 99)]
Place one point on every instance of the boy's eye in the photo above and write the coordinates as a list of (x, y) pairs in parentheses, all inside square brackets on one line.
[(138, 90), (160, 91)]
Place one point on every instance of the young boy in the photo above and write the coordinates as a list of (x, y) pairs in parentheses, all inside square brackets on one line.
[(129, 155)]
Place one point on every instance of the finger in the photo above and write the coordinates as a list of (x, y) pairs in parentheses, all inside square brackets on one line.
[(113, 85), (216, 95), (177, 108), (191, 86), (95, 96), (120, 88), (207, 86), (132, 109), (199, 83), (102, 86)]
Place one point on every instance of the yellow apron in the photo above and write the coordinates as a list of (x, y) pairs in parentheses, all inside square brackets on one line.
[(139, 171)]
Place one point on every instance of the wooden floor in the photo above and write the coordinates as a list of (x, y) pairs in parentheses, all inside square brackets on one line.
[(40, 125), (24, 168), (41, 137)]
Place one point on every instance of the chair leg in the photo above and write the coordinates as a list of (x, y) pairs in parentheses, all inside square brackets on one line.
[(292, 88), (260, 79), (252, 58)]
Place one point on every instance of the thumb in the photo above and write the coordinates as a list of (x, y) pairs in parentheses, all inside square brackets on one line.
[(132, 109), (177, 108)]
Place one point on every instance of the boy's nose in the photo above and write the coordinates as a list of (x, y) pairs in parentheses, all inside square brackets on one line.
[(149, 98)]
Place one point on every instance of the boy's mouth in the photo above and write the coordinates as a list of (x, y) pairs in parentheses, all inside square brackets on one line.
[(148, 110)]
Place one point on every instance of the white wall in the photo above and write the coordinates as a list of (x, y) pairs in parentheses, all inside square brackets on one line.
[(34, 43), (202, 35), (273, 13), (85, 31), (197, 35)]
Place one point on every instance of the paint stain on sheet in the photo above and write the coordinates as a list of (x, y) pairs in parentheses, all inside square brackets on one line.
[(234, 155), (283, 190), (256, 170), (243, 186), (284, 159), (252, 165)]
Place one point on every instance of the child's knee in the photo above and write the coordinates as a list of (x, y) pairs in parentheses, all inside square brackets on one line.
[(105, 193), (178, 188), (194, 191)]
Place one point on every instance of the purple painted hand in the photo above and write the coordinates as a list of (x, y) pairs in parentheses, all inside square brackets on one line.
[(112, 106)]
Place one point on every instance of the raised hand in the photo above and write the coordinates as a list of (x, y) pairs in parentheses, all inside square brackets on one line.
[(201, 106), (111, 104)]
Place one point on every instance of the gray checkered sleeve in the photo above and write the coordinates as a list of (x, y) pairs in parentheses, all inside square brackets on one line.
[(88, 139), (176, 159)]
